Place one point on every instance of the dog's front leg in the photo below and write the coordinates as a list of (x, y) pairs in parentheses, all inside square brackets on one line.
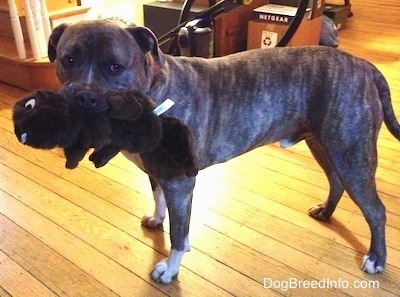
[(160, 209), (178, 196)]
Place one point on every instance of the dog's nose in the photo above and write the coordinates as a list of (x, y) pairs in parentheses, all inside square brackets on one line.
[(87, 99)]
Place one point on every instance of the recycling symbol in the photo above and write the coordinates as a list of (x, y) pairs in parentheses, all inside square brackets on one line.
[(267, 41)]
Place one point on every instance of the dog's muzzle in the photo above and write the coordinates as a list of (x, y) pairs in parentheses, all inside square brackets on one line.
[(84, 98)]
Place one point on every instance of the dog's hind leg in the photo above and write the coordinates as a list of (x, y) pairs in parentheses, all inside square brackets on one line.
[(178, 195), (160, 209), (324, 211), (356, 164)]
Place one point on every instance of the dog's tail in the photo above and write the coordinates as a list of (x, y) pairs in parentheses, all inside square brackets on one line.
[(388, 113)]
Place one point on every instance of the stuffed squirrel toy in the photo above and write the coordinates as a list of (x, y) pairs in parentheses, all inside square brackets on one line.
[(44, 119)]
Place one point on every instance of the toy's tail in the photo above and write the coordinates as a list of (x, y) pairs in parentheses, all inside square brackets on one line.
[(388, 113)]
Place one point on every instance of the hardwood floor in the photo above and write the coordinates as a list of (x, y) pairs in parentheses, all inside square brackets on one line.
[(78, 233)]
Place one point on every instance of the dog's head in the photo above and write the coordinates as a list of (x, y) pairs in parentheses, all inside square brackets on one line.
[(95, 57), (42, 119)]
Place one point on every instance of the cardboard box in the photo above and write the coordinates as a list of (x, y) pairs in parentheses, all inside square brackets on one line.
[(267, 35), (338, 13), (317, 6), (274, 13)]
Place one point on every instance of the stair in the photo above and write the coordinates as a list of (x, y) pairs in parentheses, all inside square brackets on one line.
[(28, 74)]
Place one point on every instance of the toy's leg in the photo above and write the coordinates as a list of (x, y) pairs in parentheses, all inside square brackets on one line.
[(73, 156), (102, 156)]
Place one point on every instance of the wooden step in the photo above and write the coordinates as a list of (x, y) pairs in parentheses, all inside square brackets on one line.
[(30, 74), (27, 74)]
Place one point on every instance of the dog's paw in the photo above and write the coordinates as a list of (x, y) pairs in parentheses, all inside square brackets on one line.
[(152, 222), (319, 212), (371, 264), (162, 273)]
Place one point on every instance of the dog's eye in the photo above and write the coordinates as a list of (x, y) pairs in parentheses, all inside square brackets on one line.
[(30, 104), (116, 68), (68, 61)]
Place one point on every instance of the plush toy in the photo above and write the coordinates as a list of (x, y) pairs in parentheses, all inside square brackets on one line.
[(44, 119)]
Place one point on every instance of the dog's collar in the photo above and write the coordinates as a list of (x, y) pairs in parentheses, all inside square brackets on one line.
[(163, 107)]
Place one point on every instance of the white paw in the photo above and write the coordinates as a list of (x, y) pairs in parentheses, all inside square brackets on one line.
[(369, 265), (318, 212), (162, 273), (152, 222)]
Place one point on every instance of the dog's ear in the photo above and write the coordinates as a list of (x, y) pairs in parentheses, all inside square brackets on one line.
[(148, 42), (53, 40), (124, 106), (178, 144)]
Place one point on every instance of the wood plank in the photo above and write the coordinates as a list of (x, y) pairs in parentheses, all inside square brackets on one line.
[(118, 279), (16, 281), (4, 293), (46, 265)]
